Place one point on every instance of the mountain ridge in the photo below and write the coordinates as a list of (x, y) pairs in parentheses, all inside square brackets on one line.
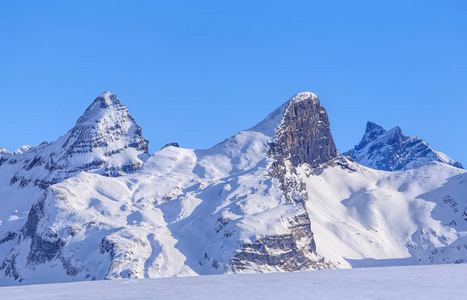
[(275, 197), (391, 150)]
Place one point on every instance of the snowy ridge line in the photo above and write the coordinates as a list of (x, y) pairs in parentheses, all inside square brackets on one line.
[(277, 197), (392, 151)]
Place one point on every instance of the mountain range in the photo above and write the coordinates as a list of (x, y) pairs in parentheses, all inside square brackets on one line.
[(94, 204), (392, 151)]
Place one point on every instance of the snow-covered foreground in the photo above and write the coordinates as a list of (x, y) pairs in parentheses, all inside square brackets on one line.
[(414, 282)]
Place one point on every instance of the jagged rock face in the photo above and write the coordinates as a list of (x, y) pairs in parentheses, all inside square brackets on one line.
[(393, 151), (295, 251), (105, 140), (108, 129), (303, 137)]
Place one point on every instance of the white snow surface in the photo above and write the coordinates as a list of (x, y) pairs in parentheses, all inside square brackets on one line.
[(414, 282), (377, 218), (23, 149)]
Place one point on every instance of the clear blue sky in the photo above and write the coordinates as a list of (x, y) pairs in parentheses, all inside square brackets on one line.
[(197, 72)]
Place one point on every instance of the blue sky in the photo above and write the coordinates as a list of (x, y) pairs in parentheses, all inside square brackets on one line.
[(197, 72)]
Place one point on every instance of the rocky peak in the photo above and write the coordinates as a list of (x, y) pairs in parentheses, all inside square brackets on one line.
[(105, 103), (304, 136), (105, 140), (372, 131), (105, 123), (392, 151)]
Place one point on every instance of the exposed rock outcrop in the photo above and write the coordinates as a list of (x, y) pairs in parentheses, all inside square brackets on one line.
[(291, 252), (105, 140), (303, 137)]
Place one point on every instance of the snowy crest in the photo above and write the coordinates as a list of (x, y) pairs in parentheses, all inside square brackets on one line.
[(105, 139), (393, 151), (270, 125)]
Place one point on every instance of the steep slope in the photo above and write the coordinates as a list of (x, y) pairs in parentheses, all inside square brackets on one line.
[(105, 140), (367, 217), (225, 209), (392, 151)]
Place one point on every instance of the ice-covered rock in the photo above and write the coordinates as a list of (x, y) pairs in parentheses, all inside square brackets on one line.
[(105, 140), (393, 151)]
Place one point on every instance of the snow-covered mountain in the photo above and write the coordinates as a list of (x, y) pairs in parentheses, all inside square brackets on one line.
[(275, 197), (392, 151), (233, 207), (105, 140)]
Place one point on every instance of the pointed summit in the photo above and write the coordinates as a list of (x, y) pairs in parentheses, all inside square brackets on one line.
[(105, 140), (270, 125), (373, 127), (301, 130), (304, 133), (393, 151), (372, 131), (105, 103), (303, 136), (105, 123)]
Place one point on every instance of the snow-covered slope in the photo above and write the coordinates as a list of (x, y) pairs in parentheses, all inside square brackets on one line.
[(392, 151), (420, 282), (105, 140), (185, 212), (275, 197), (365, 217)]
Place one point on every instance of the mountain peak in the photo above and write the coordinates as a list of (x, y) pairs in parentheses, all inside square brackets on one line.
[(373, 127), (106, 129), (271, 123), (372, 131), (304, 96), (105, 104), (106, 99), (105, 140), (302, 137), (393, 151), (396, 130)]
